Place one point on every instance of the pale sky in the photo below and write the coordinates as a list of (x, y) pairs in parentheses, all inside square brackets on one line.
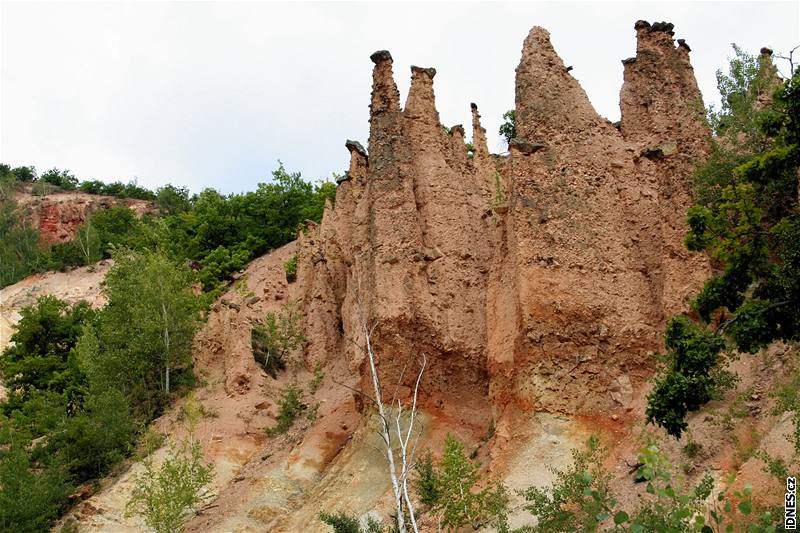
[(214, 94)]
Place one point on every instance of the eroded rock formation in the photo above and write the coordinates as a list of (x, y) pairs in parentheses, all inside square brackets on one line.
[(540, 280)]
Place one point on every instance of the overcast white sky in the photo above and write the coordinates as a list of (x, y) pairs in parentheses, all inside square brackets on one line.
[(213, 94)]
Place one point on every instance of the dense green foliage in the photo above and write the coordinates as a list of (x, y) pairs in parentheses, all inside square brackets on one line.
[(747, 219), (223, 233), (40, 358), (580, 499), (30, 497), (82, 384), (219, 234), (19, 253), (140, 342), (508, 129)]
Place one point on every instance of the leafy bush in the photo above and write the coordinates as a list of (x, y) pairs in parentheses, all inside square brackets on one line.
[(166, 496), (59, 178), (508, 129), (449, 491), (290, 267), (580, 500), (96, 438), (32, 495), (425, 483), (343, 523), (291, 406), (275, 339), (40, 354), (687, 382)]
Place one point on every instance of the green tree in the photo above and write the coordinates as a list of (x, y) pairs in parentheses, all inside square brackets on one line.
[(31, 496), (59, 178), (166, 496), (222, 233), (750, 226), (19, 251), (40, 354), (275, 339), (172, 200), (143, 336), (450, 495), (95, 438), (508, 129)]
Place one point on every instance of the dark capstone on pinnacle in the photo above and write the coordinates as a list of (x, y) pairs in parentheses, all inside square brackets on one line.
[(431, 72), (355, 145), (641, 24), (682, 43), (665, 27), (766, 51), (381, 55), (473, 106)]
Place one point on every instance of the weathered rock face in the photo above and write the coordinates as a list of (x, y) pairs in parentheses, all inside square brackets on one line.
[(540, 280), (58, 216)]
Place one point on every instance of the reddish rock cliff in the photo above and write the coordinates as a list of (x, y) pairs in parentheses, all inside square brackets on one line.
[(58, 216), (537, 281)]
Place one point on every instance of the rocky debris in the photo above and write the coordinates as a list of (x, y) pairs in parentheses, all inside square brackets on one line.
[(524, 146), (660, 151)]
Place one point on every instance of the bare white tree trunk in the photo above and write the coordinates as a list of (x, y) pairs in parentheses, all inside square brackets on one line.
[(389, 434), (386, 433)]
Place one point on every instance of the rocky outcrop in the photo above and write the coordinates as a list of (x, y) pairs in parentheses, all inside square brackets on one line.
[(537, 281), (57, 216)]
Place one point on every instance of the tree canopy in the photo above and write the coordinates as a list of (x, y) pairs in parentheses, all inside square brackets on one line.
[(747, 220)]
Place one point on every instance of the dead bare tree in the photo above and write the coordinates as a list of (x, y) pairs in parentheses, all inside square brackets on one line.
[(399, 429), (790, 59)]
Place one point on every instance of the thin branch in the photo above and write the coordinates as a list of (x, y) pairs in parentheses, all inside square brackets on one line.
[(721, 329), (362, 393)]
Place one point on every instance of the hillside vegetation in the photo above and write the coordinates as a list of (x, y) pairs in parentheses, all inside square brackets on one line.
[(84, 385), (218, 234)]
